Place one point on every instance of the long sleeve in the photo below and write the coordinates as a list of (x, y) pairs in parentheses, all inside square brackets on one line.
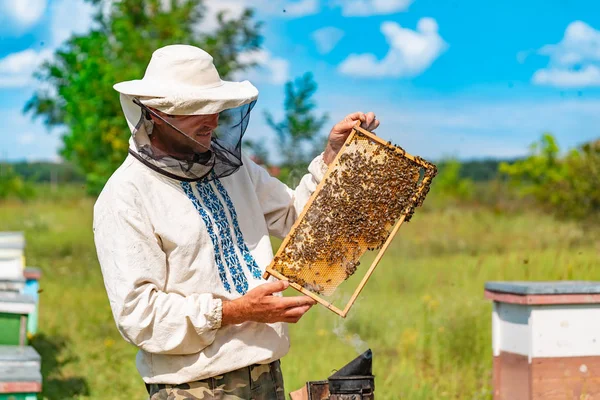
[(280, 204), (135, 274)]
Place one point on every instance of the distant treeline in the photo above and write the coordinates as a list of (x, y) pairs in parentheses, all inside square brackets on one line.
[(481, 170), (476, 170), (45, 172)]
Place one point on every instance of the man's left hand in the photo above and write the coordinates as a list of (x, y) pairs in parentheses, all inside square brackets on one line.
[(340, 131)]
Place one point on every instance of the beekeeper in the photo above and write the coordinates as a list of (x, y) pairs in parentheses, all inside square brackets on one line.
[(182, 234)]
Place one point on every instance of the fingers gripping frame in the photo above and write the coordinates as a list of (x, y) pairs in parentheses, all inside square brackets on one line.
[(371, 188)]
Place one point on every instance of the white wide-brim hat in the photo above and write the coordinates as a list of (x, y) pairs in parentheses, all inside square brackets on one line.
[(182, 80)]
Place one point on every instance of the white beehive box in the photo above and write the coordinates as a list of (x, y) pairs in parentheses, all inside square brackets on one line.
[(546, 340), (12, 255)]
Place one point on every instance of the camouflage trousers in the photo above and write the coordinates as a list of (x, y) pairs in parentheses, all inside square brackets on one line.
[(256, 382)]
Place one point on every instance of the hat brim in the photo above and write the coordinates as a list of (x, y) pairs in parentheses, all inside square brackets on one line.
[(188, 100)]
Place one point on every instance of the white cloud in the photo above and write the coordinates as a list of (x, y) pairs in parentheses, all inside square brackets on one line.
[(234, 8), (26, 138), (574, 62), (69, 17), (16, 69), (24, 12), (522, 56), (581, 43), (327, 38), (411, 52), (287, 8), (372, 7), (568, 78), (301, 8), (270, 69), (231, 8)]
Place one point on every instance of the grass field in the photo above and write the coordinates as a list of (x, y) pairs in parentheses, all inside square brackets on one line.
[(423, 313)]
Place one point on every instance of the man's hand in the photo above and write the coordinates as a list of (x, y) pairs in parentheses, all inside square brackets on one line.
[(342, 129), (260, 305)]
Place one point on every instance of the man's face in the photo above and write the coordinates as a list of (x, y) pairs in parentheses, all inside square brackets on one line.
[(198, 127)]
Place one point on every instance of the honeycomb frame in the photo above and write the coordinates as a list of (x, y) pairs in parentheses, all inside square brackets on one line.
[(282, 271)]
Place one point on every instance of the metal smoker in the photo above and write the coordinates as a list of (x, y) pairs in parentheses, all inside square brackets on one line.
[(355, 381)]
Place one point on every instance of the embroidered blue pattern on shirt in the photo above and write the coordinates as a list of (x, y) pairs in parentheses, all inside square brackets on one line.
[(187, 188), (250, 262), (210, 199)]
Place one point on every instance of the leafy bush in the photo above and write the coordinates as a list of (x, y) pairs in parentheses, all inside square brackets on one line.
[(12, 185), (566, 185), (450, 184)]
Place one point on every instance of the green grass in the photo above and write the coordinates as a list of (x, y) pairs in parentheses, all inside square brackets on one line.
[(422, 313)]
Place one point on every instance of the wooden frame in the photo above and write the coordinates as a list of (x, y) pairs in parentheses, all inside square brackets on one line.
[(270, 271)]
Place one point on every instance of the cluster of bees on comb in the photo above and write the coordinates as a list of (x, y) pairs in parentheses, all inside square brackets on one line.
[(366, 192)]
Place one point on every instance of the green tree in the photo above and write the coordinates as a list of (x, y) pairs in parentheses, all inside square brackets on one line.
[(298, 138), (450, 182), (579, 194), (481, 170), (541, 168), (81, 74), (539, 172), (13, 185), (567, 185)]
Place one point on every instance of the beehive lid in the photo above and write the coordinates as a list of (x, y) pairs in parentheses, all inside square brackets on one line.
[(32, 273), (16, 354), (544, 288)]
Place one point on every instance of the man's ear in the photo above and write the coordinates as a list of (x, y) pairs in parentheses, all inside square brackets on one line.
[(156, 120)]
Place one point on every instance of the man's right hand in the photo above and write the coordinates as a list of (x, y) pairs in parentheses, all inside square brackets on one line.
[(260, 305)]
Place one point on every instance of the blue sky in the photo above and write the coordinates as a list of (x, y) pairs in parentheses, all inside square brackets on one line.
[(446, 77)]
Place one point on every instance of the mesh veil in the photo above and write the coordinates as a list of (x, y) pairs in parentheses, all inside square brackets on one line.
[(222, 158)]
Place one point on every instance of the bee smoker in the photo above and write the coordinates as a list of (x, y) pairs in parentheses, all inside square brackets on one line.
[(355, 381)]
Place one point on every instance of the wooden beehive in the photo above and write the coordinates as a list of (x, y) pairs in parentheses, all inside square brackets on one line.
[(545, 339), (20, 373), (369, 190), (15, 309)]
